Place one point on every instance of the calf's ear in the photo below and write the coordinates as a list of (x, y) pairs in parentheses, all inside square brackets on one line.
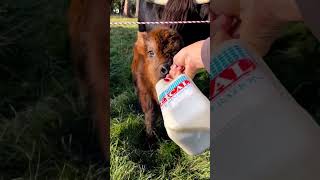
[(138, 58), (141, 38)]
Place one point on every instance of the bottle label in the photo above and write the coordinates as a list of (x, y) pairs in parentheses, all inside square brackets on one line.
[(175, 88), (227, 68)]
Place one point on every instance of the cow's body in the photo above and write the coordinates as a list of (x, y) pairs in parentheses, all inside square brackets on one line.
[(150, 11), (88, 39)]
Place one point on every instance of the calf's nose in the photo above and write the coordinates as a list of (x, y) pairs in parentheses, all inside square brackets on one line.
[(165, 69)]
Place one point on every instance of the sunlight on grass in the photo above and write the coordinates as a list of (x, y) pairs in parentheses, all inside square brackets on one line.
[(45, 132), (123, 19), (131, 156)]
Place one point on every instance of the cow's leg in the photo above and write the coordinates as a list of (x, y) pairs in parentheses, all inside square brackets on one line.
[(97, 68), (148, 108)]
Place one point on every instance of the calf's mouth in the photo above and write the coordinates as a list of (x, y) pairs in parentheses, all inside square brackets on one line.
[(165, 69)]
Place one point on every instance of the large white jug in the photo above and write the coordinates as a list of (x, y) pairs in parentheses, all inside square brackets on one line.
[(259, 132), (186, 114)]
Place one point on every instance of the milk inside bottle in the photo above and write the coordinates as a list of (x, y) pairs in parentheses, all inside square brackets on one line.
[(186, 113)]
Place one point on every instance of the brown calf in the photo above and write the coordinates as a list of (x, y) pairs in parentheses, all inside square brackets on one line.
[(153, 55)]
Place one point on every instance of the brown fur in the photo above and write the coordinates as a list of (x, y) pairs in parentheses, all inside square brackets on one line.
[(164, 43), (177, 10), (88, 39)]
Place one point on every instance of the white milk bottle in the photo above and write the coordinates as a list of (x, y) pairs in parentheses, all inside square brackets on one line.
[(259, 132), (186, 113)]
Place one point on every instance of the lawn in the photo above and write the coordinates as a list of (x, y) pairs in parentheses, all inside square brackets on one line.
[(131, 156), (45, 132)]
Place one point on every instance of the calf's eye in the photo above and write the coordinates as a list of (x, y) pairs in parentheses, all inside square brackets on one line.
[(150, 53)]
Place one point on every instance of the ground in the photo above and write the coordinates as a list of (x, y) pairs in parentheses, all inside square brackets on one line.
[(44, 130)]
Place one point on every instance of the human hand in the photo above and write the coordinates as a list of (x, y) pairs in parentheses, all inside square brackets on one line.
[(261, 20), (189, 59), (175, 71), (197, 55)]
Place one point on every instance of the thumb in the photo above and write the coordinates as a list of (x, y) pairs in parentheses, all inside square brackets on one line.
[(182, 59)]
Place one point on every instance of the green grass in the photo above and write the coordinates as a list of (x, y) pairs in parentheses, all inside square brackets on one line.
[(131, 156), (295, 60), (45, 132)]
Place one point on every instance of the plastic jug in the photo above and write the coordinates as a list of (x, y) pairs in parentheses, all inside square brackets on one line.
[(186, 113), (259, 131)]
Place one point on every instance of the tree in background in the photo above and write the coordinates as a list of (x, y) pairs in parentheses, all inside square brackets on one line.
[(137, 8), (126, 8)]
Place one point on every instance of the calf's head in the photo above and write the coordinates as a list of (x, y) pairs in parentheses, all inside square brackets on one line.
[(152, 58), (156, 50)]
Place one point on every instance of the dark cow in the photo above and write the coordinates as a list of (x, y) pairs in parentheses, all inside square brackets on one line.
[(88, 39)]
